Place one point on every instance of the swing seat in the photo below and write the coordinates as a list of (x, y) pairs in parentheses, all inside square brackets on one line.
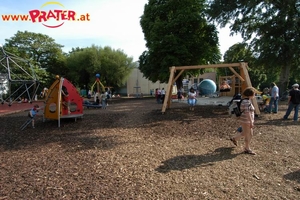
[(225, 90)]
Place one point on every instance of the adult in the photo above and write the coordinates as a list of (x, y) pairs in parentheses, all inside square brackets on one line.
[(179, 94), (163, 94), (274, 98), (192, 98), (158, 96), (293, 102)]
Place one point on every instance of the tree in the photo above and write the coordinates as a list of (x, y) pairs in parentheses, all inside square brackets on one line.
[(113, 66), (82, 65), (176, 34), (116, 66), (272, 27)]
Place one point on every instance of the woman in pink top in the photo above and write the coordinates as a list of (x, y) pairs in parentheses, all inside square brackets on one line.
[(246, 120)]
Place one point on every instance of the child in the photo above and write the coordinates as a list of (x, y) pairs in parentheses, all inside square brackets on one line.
[(65, 98), (266, 99), (246, 120), (192, 98), (225, 87), (97, 102), (103, 100), (32, 113)]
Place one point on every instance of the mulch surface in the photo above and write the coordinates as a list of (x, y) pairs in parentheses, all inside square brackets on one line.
[(133, 151)]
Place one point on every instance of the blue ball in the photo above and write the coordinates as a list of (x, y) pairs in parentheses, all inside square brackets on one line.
[(97, 75), (206, 87)]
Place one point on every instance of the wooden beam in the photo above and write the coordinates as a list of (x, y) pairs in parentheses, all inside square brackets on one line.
[(236, 74), (208, 66), (169, 90), (248, 83), (178, 76)]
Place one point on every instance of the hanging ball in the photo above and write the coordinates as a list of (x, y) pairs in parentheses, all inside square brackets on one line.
[(97, 75), (57, 76), (207, 86)]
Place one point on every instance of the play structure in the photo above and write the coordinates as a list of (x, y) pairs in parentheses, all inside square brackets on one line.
[(63, 101), (17, 78), (242, 77), (207, 87), (88, 105), (99, 87)]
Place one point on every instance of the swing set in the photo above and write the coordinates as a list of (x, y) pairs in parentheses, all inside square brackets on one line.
[(243, 77)]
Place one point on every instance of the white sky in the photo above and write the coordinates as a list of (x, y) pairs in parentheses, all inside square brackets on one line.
[(113, 23)]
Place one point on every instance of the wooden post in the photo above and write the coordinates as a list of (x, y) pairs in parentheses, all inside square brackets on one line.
[(169, 91)]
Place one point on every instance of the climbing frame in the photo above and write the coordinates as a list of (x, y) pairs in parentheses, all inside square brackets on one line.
[(54, 108)]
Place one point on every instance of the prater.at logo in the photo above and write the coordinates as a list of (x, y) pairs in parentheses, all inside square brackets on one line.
[(59, 16)]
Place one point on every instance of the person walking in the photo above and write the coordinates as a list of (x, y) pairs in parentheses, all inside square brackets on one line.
[(274, 98), (246, 120), (293, 102)]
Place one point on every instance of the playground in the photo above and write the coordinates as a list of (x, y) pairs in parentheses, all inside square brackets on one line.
[(132, 151)]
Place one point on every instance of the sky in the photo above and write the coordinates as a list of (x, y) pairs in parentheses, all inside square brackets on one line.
[(114, 23)]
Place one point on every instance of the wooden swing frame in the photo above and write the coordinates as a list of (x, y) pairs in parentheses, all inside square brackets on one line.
[(243, 76)]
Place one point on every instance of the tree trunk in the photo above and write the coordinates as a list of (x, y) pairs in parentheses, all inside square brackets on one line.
[(179, 84), (284, 78)]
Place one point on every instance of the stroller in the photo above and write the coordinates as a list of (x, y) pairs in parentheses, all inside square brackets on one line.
[(233, 103), (235, 97)]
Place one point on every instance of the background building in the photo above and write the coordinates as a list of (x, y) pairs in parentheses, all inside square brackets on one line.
[(138, 85)]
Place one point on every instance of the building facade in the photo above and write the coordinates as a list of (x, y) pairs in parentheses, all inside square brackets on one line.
[(137, 85)]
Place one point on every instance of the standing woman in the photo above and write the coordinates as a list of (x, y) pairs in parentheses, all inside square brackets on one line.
[(192, 98), (274, 98)]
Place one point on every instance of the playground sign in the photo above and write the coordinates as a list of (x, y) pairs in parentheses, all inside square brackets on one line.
[(52, 18)]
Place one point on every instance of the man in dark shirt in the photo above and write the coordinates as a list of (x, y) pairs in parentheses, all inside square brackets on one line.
[(293, 102)]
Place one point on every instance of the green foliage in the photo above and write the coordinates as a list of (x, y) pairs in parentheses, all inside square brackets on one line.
[(113, 66), (272, 27), (176, 34)]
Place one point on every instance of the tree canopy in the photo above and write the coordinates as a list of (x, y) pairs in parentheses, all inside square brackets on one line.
[(272, 27), (114, 66), (176, 33)]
